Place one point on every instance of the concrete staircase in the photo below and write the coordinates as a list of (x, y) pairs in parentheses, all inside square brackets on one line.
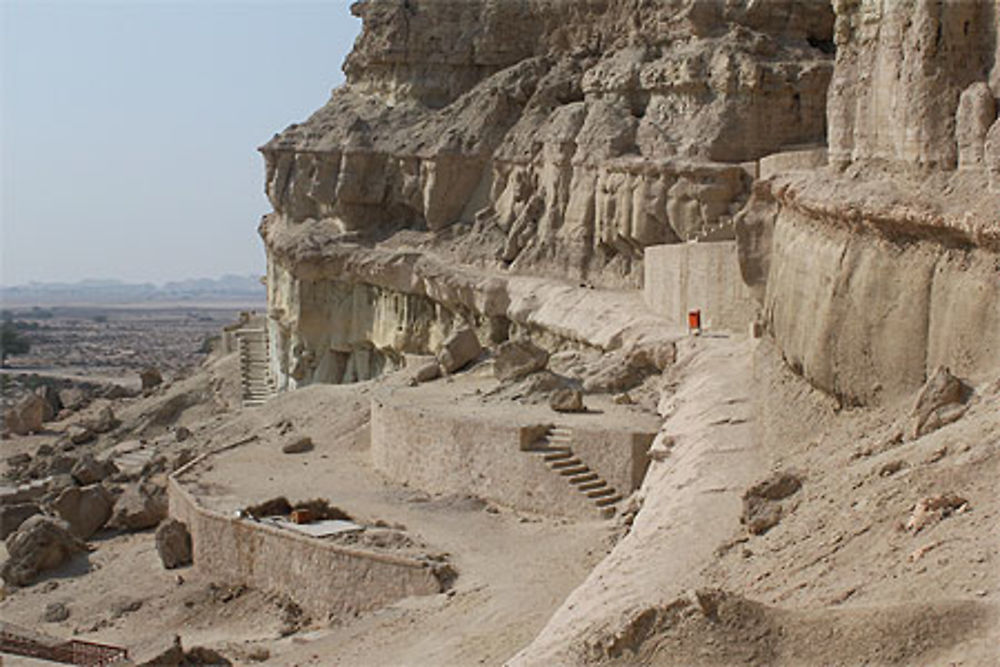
[(255, 375), (555, 450)]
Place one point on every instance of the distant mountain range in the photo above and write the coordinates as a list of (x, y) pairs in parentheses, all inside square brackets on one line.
[(228, 289)]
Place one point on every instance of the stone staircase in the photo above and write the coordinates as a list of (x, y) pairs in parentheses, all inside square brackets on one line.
[(555, 450), (255, 375)]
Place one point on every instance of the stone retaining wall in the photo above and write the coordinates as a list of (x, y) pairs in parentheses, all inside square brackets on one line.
[(705, 276), (452, 452), (324, 579)]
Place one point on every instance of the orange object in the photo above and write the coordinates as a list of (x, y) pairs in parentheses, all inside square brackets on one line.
[(694, 320), (302, 516)]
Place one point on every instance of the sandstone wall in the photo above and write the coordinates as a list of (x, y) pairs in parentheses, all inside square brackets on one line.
[(326, 580), (454, 452), (566, 135), (704, 276)]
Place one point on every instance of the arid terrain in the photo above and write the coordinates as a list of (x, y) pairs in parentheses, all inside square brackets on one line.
[(597, 332)]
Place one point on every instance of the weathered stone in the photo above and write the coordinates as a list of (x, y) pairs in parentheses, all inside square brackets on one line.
[(61, 464), (427, 372), (80, 434), (85, 509), (201, 655), (55, 612), (166, 653), (458, 350), (73, 398), (932, 509), (104, 421), (182, 433), (150, 378), (49, 394), (12, 516), (762, 509), (939, 402), (89, 470), (173, 544), (976, 112), (41, 543), (991, 155), (517, 358), (140, 506), (298, 445), (567, 400), (115, 391), (27, 416)]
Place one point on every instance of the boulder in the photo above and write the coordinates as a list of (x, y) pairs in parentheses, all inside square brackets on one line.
[(518, 358), (166, 653), (458, 350), (53, 405), (41, 543), (89, 470), (762, 509), (427, 372), (139, 507), (61, 464), (27, 415), (939, 402), (173, 544), (182, 433), (73, 398), (79, 434), (104, 421), (567, 400), (85, 509), (298, 445), (55, 612), (150, 378), (12, 516)]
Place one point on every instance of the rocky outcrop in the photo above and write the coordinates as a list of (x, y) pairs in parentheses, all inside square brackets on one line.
[(877, 270), (557, 136), (41, 543)]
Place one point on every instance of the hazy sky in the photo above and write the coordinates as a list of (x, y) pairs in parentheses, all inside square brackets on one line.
[(128, 130)]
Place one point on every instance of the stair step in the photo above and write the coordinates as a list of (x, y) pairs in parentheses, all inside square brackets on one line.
[(585, 477), (601, 493), (608, 500), (590, 485), (559, 455), (575, 470), (565, 463)]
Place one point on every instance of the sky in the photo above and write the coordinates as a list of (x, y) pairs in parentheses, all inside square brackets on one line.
[(129, 129)]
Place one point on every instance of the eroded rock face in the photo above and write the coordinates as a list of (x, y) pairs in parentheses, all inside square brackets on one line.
[(583, 130)]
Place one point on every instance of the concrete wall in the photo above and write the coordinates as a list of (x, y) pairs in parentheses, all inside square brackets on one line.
[(324, 579), (441, 451), (706, 276)]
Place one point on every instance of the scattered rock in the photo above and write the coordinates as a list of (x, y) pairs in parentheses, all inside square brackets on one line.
[(115, 391), (173, 544), (518, 358), (567, 400), (61, 464), (53, 405), (939, 402), (105, 421), (182, 433), (27, 415), (79, 434), (41, 543), (12, 516), (932, 509), (125, 606), (298, 445), (182, 458), (427, 372), (73, 398), (89, 470), (458, 350), (199, 655), (55, 612), (19, 460), (85, 509), (150, 378), (140, 506), (169, 653), (761, 507)]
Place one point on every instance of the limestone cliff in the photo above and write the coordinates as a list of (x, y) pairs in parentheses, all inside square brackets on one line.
[(560, 136), (884, 265)]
